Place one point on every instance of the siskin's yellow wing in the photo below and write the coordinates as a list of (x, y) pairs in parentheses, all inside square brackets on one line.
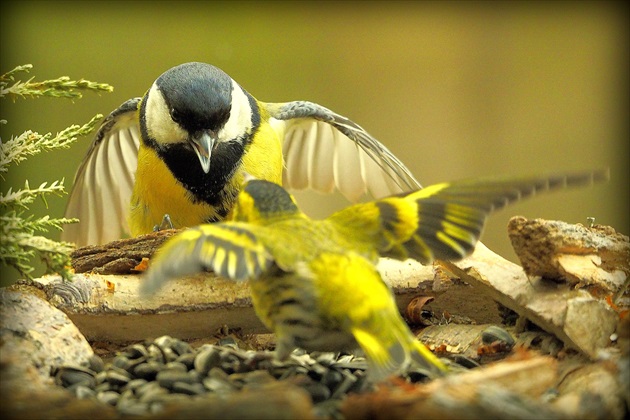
[(230, 249), (443, 221)]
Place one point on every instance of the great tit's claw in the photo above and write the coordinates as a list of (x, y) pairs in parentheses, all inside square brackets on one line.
[(166, 224)]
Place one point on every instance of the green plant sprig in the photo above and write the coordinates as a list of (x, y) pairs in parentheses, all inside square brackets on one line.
[(20, 244), (30, 143), (21, 239), (61, 87)]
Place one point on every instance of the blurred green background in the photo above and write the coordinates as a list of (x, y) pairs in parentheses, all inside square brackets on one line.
[(455, 90)]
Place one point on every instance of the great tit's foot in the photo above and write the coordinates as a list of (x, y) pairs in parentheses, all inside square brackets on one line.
[(166, 224)]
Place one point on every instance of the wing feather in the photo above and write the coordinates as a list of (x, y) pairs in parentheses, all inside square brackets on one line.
[(321, 143), (296, 159), (232, 250), (360, 163), (348, 170), (103, 184), (443, 221)]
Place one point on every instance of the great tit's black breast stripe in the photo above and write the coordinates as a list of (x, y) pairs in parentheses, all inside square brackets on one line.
[(204, 187), (255, 119), (144, 134)]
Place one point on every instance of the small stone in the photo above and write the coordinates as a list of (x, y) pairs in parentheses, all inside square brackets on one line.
[(148, 370), (82, 391), (181, 347), (318, 391), (108, 397), (188, 389), (167, 378), (96, 363), (69, 375), (135, 384), (117, 378), (332, 378), (176, 366), (151, 392), (136, 351), (187, 359), (206, 360)]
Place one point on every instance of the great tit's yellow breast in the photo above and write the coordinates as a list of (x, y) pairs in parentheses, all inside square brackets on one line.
[(263, 156), (156, 192)]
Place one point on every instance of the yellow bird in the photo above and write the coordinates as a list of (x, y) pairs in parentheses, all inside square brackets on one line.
[(315, 283), (180, 151)]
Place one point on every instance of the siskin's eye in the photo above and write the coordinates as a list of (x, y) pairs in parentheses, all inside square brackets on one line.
[(176, 115)]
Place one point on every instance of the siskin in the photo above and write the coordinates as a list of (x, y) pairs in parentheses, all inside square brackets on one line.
[(315, 283)]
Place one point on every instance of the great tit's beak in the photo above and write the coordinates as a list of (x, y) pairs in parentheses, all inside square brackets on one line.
[(203, 143)]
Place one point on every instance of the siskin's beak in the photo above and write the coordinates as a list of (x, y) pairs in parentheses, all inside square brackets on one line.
[(203, 143)]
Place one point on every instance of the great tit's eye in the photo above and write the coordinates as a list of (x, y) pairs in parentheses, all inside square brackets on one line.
[(176, 115)]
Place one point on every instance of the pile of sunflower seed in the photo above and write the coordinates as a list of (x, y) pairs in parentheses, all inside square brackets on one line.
[(142, 378)]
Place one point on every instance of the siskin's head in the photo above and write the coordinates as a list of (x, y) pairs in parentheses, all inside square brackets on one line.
[(261, 200), (197, 106)]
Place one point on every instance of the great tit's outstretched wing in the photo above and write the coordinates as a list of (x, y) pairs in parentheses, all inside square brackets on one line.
[(324, 150), (231, 249), (443, 221), (103, 184)]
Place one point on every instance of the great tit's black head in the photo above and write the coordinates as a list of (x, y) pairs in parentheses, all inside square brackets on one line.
[(196, 106), (260, 200), (198, 96)]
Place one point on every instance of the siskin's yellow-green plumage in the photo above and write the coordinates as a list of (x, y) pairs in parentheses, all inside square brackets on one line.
[(315, 283)]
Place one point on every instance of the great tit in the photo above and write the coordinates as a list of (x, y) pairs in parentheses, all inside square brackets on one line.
[(180, 150), (315, 283)]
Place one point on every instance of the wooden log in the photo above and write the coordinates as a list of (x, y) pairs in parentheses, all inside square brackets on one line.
[(580, 320), (108, 307), (36, 336), (274, 401), (510, 389), (121, 256), (597, 258), (591, 391)]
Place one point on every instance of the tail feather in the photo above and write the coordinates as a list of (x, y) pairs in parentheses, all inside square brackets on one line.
[(396, 351), (383, 361)]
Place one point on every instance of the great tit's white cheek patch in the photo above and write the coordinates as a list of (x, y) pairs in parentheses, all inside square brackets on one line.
[(240, 121), (160, 125)]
